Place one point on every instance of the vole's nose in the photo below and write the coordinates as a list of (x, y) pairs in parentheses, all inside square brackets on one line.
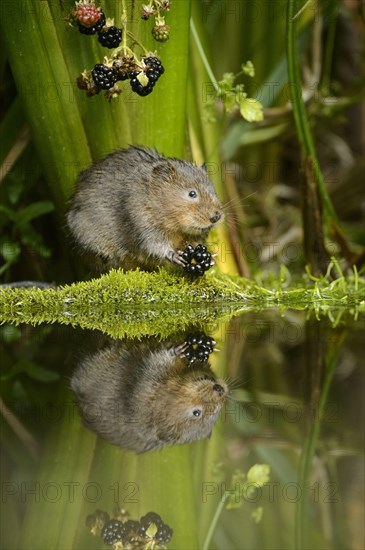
[(216, 217), (218, 388)]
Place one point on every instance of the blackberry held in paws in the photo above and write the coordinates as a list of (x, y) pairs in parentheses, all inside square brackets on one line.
[(137, 208)]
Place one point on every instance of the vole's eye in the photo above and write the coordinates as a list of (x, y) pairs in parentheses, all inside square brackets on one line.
[(197, 412), (193, 194)]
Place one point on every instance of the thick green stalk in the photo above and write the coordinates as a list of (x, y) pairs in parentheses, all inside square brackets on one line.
[(40, 72)]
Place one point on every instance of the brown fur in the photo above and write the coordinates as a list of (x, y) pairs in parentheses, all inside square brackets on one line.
[(143, 399), (133, 207)]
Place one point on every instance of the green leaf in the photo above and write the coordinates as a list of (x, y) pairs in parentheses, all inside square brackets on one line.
[(8, 212), (251, 110), (10, 251), (40, 373), (33, 211)]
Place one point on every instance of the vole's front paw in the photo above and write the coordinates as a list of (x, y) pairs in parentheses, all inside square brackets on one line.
[(177, 258), (180, 350)]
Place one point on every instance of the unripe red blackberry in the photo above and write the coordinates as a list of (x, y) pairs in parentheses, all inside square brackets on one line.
[(87, 14), (93, 29), (110, 37), (104, 77)]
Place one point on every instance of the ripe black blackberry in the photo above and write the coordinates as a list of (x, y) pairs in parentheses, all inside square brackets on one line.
[(198, 259), (164, 532), (199, 347), (163, 535), (113, 531), (104, 77), (155, 64), (110, 37), (131, 535), (137, 87), (95, 28)]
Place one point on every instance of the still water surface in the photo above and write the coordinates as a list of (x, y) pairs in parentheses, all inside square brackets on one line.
[(295, 403)]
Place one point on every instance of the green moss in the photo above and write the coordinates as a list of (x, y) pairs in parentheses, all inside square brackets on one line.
[(161, 303)]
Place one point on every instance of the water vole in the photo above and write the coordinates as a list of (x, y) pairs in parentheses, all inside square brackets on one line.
[(136, 207), (143, 399)]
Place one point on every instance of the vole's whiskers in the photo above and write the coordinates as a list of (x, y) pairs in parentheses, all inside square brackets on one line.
[(236, 200)]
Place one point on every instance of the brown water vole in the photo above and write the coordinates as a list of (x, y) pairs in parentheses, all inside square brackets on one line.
[(136, 207), (143, 399)]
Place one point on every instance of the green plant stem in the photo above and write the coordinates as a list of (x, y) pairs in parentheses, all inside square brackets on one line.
[(300, 115), (203, 56), (301, 513), (214, 522), (329, 48)]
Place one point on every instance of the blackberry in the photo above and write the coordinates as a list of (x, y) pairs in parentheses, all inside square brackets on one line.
[(113, 531), (198, 259), (131, 535), (104, 77), (164, 532), (163, 535), (138, 87), (96, 27), (161, 33), (199, 347), (110, 37), (155, 64), (147, 520)]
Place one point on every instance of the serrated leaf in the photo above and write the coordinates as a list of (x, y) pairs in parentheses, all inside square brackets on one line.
[(251, 110)]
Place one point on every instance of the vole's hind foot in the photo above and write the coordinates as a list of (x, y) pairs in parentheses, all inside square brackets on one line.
[(177, 258)]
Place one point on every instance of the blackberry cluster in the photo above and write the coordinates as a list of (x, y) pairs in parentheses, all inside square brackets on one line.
[(110, 37), (164, 532), (199, 348), (104, 77), (94, 28), (153, 71), (114, 531), (130, 534), (198, 259)]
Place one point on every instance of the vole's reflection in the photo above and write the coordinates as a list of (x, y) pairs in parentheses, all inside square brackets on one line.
[(145, 395)]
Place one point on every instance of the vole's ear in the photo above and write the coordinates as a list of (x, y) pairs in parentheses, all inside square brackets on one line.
[(204, 166), (163, 171)]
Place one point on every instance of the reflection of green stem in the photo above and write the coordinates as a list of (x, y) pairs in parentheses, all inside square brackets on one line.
[(214, 522), (300, 115), (309, 450)]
